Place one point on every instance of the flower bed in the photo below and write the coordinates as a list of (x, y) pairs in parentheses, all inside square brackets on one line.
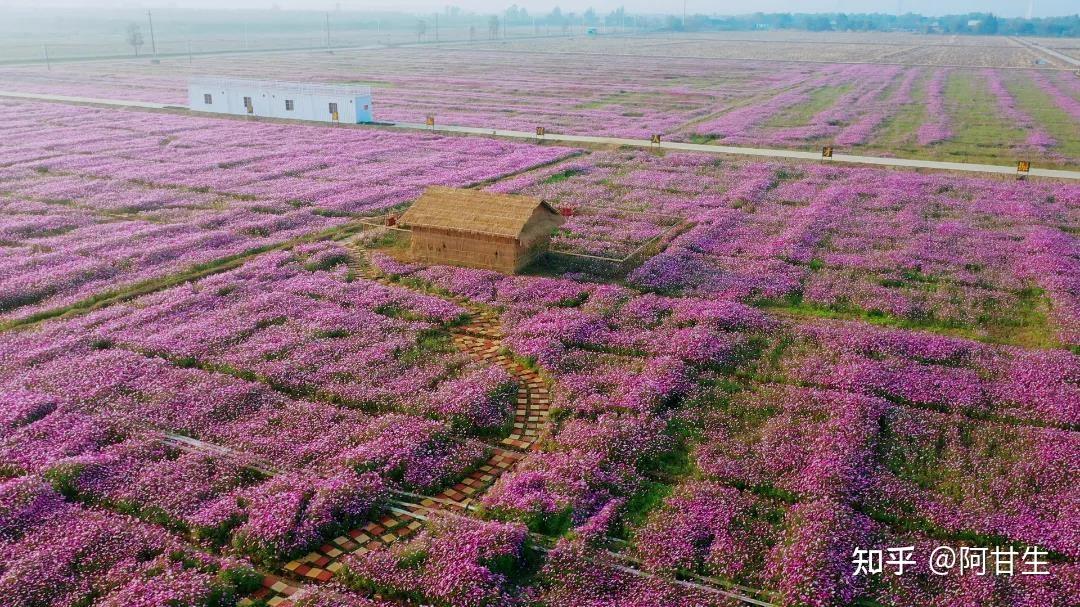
[(980, 255), (455, 562), (58, 554), (96, 200)]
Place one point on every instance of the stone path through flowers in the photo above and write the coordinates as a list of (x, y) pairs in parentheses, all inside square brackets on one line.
[(481, 338)]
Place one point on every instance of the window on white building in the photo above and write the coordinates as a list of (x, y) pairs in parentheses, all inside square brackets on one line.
[(208, 99), (288, 105), (333, 108)]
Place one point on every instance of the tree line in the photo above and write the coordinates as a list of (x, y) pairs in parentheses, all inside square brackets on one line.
[(970, 23)]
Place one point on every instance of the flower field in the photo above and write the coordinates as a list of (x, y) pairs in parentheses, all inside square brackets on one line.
[(947, 102), (879, 48), (988, 258), (95, 200), (833, 434), (222, 383)]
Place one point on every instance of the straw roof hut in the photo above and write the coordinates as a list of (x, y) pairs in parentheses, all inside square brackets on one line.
[(479, 229)]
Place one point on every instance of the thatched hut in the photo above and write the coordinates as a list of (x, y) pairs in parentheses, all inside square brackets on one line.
[(479, 229)]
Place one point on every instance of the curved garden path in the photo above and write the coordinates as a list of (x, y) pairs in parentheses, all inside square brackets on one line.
[(480, 338)]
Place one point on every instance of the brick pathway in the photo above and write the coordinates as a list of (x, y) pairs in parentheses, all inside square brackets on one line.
[(480, 338), (276, 592), (533, 400)]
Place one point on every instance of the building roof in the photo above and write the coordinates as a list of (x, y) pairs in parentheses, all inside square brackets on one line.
[(301, 88), (473, 211)]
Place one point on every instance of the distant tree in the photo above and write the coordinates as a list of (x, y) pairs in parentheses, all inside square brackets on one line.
[(493, 27), (514, 14), (616, 18), (134, 37), (818, 23), (590, 16), (555, 17), (969, 23), (695, 23), (421, 29)]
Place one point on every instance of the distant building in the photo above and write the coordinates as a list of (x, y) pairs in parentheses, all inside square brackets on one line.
[(297, 100), (479, 229)]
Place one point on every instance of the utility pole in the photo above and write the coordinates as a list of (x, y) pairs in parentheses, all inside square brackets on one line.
[(189, 51), (327, 29), (436, 26), (153, 45), (684, 15), (48, 66)]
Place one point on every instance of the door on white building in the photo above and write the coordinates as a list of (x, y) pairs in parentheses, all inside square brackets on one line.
[(249, 105), (334, 112)]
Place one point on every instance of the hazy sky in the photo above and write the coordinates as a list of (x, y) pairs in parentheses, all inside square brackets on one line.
[(1011, 8)]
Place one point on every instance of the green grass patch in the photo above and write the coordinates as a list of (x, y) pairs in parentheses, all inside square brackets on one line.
[(980, 133), (1026, 325), (701, 139), (1047, 115), (820, 99), (638, 508), (428, 342), (898, 131), (562, 176)]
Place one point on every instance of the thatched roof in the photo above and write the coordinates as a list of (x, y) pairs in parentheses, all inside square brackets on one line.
[(473, 211)]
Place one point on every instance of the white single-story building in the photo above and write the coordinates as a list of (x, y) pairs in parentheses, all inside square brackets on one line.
[(298, 100)]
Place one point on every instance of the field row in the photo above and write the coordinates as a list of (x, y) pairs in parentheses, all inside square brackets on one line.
[(819, 359), (949, 113), (96, 200), (713, 437), (990, 258)]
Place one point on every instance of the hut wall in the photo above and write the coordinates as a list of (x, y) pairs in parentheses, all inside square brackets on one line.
[(535, 236), (465, 249)]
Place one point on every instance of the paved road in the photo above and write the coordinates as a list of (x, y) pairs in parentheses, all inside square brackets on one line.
[(93, 100), (746, 151), (1035, 46), (641, 143)]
